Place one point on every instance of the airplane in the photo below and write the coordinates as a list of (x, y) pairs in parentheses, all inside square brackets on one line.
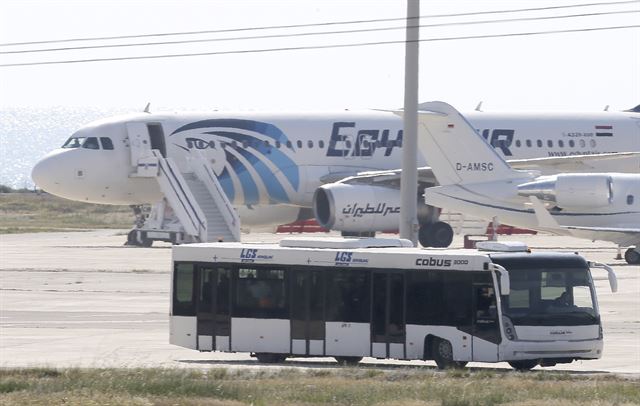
[(268, 166), (478, 181)]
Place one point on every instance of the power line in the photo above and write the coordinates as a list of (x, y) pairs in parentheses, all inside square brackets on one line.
[(248, 51), (303, 34), (317, 24)]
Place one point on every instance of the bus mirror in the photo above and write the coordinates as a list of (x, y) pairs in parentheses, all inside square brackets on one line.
[(611, 275)]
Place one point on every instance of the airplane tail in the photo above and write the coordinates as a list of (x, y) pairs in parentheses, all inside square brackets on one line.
[(455, 151)]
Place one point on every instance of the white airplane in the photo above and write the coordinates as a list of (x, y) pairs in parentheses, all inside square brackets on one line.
[(269, 165), (474, 179)]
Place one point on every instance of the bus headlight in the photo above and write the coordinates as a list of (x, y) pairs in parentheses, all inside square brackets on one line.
[(509, 329)]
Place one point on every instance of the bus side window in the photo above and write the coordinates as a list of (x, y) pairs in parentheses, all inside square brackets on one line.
[(183, 292), (348, 295), (260, 293)]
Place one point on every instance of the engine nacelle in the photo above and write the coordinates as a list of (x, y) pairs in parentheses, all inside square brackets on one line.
[(574, 190), (361, 208), (357, 208)]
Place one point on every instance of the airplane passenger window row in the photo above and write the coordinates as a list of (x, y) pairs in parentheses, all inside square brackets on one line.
[(88, 143), (310, 144), (560, 143)]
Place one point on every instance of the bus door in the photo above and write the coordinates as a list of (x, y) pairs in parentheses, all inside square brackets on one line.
[(212, 309), (307, 312), (388, 335), (486, 328)]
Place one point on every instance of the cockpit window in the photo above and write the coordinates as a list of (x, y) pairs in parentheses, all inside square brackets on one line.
[(106, 143), (91, 143), (74, 142)]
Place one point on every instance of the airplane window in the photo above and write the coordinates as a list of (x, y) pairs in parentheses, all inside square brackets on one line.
[(310, 144), (561, 144), (73, 142), (582, 144), (245, 144), (539, 143), (106, 143), (321, 144), (234, 144), (299, 144), (549, 143), (592, 143), (629, 199), (91, 143), (278, 144), (288, 144), (528, 143), (518, 143), (572, 143), (266, 143)]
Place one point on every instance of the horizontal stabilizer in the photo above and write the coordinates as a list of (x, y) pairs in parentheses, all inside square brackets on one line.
[(456, 153)]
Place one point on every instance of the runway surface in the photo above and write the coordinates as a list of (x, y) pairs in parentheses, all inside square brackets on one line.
[(82, 299)]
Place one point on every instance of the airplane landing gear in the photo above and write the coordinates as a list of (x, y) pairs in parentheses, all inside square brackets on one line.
[(438, 235), (632, 256)]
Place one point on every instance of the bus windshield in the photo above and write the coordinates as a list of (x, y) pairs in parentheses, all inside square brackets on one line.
[(550, 296)]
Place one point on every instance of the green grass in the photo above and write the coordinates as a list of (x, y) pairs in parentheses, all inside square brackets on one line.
[(24, 212), (336, 386)]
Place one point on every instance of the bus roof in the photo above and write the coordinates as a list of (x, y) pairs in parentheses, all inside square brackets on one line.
[(332, 252)]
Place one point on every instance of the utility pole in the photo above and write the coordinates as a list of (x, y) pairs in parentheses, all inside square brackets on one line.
[(409, 179)]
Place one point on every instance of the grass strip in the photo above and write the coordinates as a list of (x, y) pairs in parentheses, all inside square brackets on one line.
[(336, 386)]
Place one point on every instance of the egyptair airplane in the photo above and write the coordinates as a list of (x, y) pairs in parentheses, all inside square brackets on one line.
[(197, 168), (478, 181)]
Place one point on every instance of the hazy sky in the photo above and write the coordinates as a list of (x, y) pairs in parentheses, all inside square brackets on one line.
[(575, 71)]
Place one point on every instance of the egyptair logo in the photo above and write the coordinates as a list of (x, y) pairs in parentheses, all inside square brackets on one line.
[(250, 148)]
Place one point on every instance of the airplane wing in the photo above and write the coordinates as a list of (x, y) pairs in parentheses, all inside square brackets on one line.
[(621, 235), (425, 176), (576, 163), (573, 163)]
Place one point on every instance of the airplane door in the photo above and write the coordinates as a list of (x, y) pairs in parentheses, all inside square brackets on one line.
[(388, 333), (212, 309), (156, 137), (486, 329), (139, 142), (307, 312)]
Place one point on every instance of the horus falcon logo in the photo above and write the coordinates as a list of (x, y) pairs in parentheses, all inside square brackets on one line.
[(254, 154)]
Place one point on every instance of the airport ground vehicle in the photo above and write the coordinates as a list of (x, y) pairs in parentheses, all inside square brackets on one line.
[(354, 298)]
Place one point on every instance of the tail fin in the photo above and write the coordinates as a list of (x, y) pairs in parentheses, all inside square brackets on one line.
[(456, 153)]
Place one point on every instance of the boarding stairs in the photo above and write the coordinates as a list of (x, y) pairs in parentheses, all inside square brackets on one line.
[(194, 207)]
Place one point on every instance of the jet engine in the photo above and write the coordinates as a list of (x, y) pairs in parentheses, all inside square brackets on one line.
[(575, 191), (359, 208)]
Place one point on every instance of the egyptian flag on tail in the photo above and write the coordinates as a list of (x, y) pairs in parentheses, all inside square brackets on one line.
[(604, 131)]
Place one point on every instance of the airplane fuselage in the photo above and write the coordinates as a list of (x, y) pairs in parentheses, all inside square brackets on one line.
[(281, 158)]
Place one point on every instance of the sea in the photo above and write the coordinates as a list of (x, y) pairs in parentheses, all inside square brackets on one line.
[(27, 134)]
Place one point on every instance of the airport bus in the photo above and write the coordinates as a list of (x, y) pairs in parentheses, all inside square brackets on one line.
[(350, 298)]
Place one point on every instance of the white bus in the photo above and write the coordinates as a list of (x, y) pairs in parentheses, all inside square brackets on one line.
[(382, 298)]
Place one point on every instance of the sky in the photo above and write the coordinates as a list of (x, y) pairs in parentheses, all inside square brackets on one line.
[(569, 71)]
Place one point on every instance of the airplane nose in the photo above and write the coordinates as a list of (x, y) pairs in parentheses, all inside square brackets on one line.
[(44, 173)]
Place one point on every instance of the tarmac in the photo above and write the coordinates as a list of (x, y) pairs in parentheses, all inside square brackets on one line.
[(82, 299)]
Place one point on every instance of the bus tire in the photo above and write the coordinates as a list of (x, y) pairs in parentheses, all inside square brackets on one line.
[(267, 358), (524, 365), (349, 361), (443, 355)]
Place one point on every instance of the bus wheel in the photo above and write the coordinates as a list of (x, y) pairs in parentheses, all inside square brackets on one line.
[(266, 358), (524, 365), (443, 355), (350, 361)]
